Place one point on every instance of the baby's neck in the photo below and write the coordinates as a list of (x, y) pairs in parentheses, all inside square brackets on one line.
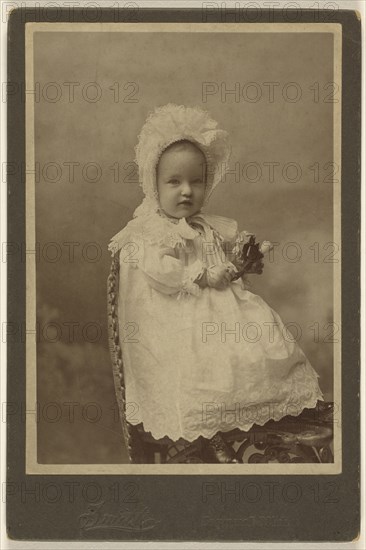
[(172, 218)]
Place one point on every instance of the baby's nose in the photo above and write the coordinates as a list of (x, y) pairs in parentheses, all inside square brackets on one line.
[(186, 188)]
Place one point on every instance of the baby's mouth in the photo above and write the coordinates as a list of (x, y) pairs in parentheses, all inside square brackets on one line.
[(185, 202)]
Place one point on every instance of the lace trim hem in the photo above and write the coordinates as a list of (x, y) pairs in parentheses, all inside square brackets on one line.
[(244, 426)]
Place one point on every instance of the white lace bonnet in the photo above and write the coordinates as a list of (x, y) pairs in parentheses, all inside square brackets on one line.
[(167, 125)]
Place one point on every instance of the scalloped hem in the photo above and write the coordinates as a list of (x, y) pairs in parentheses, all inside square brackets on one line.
[(245, 427)]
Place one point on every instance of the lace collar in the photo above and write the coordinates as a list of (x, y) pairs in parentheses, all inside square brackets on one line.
[(157, 228)]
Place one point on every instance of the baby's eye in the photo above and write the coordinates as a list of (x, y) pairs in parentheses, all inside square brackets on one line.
[(174, 181)]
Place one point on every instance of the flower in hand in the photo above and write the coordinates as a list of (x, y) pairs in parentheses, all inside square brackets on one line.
[(251, 256)]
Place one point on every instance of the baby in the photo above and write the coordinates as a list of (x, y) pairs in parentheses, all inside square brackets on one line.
[(198, 364)]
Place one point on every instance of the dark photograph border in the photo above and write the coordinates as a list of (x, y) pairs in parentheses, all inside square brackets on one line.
[(256, 508)]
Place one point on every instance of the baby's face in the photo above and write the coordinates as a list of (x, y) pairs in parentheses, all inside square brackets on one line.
[(181, 180)]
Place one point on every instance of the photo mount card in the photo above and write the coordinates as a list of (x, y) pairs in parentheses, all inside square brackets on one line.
[(81, 378)]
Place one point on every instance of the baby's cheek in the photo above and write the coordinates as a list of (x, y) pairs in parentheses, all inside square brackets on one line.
[(201, 196)]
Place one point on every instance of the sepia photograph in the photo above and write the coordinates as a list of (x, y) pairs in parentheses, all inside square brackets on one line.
[(183, 262), (183, 213)]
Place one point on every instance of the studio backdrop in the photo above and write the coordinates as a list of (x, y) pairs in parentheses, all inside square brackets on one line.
[(274, 92)]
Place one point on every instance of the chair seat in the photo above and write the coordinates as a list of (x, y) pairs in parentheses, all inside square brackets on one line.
[(305, 438)]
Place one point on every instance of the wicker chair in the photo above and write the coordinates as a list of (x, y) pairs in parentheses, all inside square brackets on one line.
[(304, 438)]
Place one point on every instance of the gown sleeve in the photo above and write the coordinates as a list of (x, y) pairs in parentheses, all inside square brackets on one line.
[(167, 273)]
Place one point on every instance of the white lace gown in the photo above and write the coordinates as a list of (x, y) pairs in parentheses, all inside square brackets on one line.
[(197, 361)]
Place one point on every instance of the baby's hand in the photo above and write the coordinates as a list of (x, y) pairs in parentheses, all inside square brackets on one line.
[(201, 280), (219, 276)]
